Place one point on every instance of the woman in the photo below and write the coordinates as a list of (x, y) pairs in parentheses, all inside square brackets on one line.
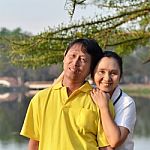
[(107, 76)]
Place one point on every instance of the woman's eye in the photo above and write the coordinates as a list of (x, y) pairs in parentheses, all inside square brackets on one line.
[(113, 73)]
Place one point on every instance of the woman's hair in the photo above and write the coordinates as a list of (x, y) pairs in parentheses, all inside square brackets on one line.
[(91, 47), (116, 57)]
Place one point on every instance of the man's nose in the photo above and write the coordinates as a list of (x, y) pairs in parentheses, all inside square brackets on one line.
[(76, 61)]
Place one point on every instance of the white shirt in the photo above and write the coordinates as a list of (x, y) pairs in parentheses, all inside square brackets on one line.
[(125, 116)]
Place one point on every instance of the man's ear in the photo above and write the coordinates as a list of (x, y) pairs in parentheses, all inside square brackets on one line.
[(65, 53), (60, 78), (63, 59)]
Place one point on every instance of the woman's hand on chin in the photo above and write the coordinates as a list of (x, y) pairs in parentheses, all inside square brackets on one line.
[(100, 97)]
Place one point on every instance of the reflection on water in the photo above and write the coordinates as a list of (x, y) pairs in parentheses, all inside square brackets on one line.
[(13, 146), (143, 113), (142, 143), (13, 109)]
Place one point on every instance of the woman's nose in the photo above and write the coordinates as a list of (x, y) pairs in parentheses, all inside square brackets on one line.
[(107, 76)]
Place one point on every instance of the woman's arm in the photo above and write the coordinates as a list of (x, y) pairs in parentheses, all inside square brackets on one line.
[(115, 135), (33, 145)]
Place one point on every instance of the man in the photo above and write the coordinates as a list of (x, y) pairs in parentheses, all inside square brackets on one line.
[(64, 116)]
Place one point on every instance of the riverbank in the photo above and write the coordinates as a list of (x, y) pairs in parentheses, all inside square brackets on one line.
[(139, 90), (30, 89)]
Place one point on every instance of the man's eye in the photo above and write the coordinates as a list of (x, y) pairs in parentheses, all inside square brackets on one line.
[(101, 72), (72, 56), (83, 60)]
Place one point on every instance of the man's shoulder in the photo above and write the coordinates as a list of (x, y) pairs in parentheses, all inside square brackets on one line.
[(42, 93)]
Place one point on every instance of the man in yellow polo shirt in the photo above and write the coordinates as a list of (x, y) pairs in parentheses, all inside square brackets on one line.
[(64, 117)]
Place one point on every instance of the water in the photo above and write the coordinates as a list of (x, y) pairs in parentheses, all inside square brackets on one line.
[(13, 109), (142, 143), (13, 146)]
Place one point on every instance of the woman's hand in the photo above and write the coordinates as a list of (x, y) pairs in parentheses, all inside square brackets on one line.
[(100, 98)]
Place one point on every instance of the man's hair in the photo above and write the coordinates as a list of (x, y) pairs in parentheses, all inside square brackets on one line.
[(116, 57), (91, 47)]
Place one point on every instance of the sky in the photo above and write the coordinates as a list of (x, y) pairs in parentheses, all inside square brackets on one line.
[(36, 16)]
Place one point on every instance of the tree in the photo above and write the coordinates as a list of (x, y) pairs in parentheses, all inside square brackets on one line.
[(18, 72), (6, 36), (6, 67), (124, 30)]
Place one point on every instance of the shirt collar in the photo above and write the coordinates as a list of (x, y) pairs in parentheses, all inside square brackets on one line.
[(57, 85), (84, 88), (116, 93)]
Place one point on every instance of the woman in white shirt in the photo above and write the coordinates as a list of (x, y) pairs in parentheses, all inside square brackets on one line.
[(107, 76)]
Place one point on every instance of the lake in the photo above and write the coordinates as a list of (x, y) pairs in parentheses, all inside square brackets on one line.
[(13, 108)]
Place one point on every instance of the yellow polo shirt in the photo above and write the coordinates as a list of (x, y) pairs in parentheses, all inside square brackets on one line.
[(60, 122)]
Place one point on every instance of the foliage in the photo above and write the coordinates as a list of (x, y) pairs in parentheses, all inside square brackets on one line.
[(125, 29), (7, 69), (6, 36)]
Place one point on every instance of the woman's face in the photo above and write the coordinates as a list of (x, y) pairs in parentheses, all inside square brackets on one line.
[(107, 74)]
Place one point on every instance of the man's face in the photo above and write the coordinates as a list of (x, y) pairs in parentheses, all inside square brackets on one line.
[(77, 64)]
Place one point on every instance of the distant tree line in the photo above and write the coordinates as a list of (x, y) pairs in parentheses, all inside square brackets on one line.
[(7, 68), (134, 69)]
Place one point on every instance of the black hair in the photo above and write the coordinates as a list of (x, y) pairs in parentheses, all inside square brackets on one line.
[(116, 57), (91, 47)]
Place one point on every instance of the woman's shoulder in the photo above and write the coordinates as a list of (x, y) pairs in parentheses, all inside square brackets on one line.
[(122, 97), (127, 98)]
